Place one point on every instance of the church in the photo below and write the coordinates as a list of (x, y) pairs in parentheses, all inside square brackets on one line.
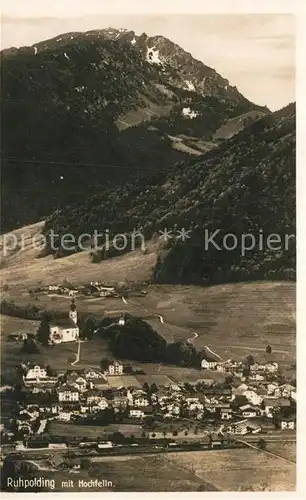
[(65, 330)]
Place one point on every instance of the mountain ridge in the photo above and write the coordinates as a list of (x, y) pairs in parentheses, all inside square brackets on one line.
[(93, 99)]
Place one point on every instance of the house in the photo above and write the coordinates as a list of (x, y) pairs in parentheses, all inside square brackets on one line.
[(119, 401), (254, 427), (94, 398), (205, 381), (226, 413), (65, 330), (286, 390), (24, 427), (272, 388), (270, 406), (196, 406), (115, 368), (239, 427), (240, 390), (253, 398), (67, 393), (80, 383), (287, 424), (271, 367), (141, 401), (35, 372), (249, 411), (221, 367), (208, 365), (106, 291), (136, 413), (53, 288), (91, 374), (256, 377), (64, 415)]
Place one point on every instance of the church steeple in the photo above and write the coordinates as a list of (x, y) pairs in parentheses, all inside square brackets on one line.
[(73, 315)]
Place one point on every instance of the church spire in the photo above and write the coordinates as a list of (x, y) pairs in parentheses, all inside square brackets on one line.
[(73, 312)]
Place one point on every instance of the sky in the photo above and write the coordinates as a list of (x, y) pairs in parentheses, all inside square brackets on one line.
[(255, 52)]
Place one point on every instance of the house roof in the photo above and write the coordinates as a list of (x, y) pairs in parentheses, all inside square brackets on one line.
[(67, 387), (63, 323), (30, 366), (276, 402)]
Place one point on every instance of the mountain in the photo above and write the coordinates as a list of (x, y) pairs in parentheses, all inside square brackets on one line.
[(246, 185), (83, 112)]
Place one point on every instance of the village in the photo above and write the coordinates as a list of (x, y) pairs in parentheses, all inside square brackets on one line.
[(91, 289), (251, 401), (117, 408)]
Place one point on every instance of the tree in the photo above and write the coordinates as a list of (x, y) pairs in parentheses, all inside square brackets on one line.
[(49, 371), (43, 332), (146, 387), (85, 463), (154, 388), (29, 346), (268, 349), (89, 328), (228, 380), (250, 360)]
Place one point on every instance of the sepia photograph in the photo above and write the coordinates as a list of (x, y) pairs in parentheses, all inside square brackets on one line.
[(147, 249)]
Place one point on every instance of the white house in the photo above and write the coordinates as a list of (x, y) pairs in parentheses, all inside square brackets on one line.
[(248, 411), (256, 367), (208, 365), (288, 424), (272, 389), (35, 372), (286, 390), (106, 291), (253, 397), (238, 427), (65, 330), (64, 416), (141, 401), (136, 413), (75, 380), (96, 399), (67, 393), (272, 367), (115, 368), (226, 413)]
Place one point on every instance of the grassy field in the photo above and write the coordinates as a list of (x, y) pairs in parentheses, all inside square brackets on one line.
[(223, 470), (21, 269), (92, 431), (149, 473), (284, 449), (238, 470)]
